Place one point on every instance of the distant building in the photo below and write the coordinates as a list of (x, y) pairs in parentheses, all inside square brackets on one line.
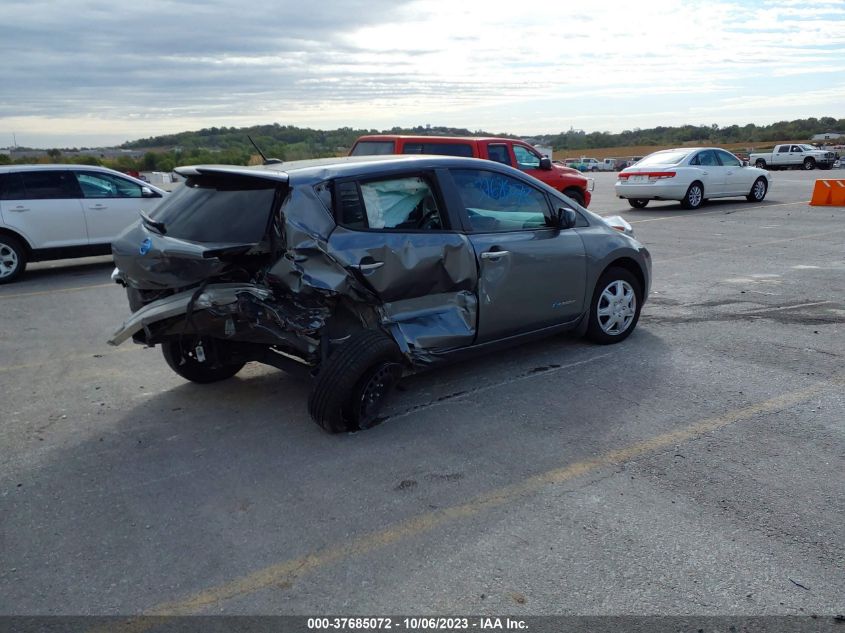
[(827, 136)]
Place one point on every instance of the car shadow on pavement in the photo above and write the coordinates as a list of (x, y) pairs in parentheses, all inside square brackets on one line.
[(195, 484)]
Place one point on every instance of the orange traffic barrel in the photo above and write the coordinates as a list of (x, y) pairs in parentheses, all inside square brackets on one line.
[(829, 193)]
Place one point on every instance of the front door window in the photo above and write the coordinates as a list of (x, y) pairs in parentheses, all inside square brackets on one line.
[(495, 202)]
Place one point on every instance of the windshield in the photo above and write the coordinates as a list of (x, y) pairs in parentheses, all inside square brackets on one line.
[(671, 157), (807, 148), (217, 210)]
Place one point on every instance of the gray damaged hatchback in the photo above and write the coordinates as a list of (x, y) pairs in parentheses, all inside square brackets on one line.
[(353, 271)]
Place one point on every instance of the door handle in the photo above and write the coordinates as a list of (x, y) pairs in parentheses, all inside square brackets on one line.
[(705, 173), (371, 266), (494, 254), (98, 206), (19, 209)]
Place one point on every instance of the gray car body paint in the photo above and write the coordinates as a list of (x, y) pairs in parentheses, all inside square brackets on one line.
[(429, 293)]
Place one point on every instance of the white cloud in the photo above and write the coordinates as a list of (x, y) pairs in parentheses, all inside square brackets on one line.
[(480, 64)]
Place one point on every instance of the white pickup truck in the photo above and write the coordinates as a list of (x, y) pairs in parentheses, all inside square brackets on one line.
[(793, 155)]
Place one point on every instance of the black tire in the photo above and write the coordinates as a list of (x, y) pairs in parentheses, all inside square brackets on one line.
[(355, 381), (758, 190), (694, 197), (760, 163), (597, 326), (637, 203), (576, 195), (809, 163), (12, 259), (180, 355)]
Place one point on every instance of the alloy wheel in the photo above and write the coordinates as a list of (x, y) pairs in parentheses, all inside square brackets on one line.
[(8, 261)]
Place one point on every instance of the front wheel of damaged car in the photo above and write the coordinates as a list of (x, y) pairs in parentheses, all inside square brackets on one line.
[(199, 360), (355, 381), (615, 308)]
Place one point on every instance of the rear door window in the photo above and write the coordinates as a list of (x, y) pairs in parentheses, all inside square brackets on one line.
[(402, 203), (11, 187), (373, 148), (499, 153), (49, 185), (218, 210)]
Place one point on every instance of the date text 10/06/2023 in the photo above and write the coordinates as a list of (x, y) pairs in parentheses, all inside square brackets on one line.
[(415, 623)]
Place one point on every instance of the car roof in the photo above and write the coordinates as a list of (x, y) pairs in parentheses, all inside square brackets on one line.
[(316, 170), (8, 169), (425, 137), (45, 166)]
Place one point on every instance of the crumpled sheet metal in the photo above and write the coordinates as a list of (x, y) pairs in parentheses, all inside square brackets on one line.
[(307, 265), (440, 321), (176, 305), (425, 288), (414, 264)]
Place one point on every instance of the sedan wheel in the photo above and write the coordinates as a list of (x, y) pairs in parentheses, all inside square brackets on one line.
[(694, 197), (758, 190), (615, 309), (637, 203)]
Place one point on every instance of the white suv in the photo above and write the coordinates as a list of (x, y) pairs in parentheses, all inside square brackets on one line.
[(59, 211)]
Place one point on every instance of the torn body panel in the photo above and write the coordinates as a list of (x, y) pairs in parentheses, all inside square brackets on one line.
[(235, 312), (425, 283)]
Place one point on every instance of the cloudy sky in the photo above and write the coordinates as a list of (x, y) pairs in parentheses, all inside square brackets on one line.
[(92, 72)]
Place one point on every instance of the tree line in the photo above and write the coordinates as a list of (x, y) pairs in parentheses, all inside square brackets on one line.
[(230, 145)]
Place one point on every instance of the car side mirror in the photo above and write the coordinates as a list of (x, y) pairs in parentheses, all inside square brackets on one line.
[(146, 192), (546, 163), (566, 218)]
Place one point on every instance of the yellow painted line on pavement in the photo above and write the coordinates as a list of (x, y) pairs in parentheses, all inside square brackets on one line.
[(50, 292), (278, 574)]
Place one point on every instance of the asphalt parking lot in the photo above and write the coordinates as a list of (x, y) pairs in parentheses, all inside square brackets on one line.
[(695, 468)]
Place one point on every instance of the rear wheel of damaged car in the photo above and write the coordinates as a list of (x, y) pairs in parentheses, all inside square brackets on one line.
[(758, 190), (355, 381), (694, 197), (638, 203), (200, 359), (615, 307), (12, 258)]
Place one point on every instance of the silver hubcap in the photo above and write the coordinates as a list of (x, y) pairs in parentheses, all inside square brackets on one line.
[(759, 189), (808, 164), (694, 196), (617, 307), (8, 261)]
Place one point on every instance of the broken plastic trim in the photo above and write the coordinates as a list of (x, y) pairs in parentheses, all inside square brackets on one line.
[(177, 305)]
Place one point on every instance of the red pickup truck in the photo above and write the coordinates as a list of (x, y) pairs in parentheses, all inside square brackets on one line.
[(502, 150)]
